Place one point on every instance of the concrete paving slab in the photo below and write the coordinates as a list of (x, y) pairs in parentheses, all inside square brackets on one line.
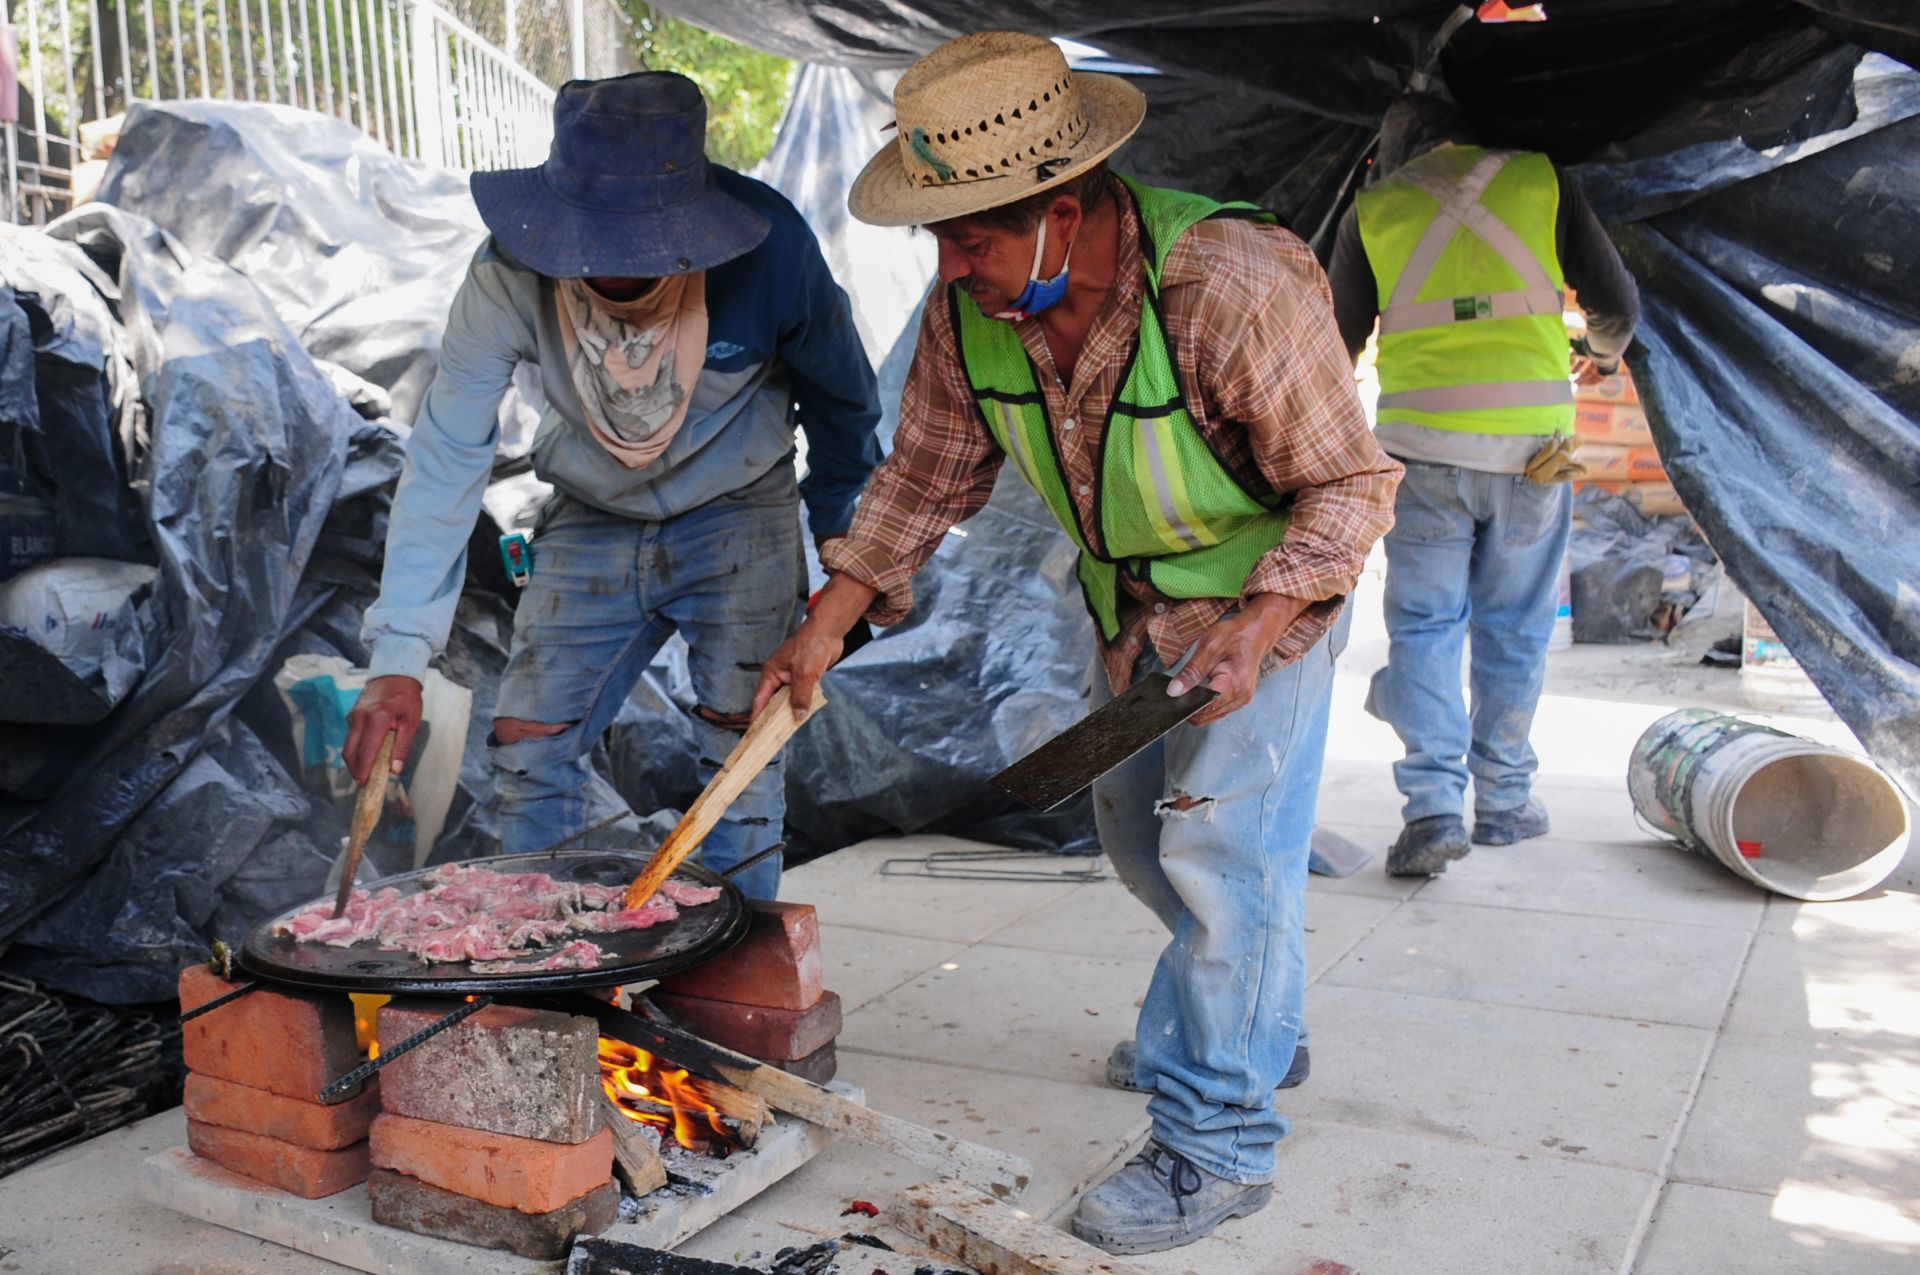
[(1391, 1203), (1069, 1130), (1643, 971), (1053, 1016), (1888, 912), (1599, 1090), (1106, 920), (1826, 1111), (1637, 882), (1851, 967), (847, 888), (81, 1211), (1103, 918), (1799, 1231), (863, 965)]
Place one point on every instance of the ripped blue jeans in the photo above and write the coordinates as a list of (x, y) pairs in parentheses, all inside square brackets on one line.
[(606, 592), (1210, 828)]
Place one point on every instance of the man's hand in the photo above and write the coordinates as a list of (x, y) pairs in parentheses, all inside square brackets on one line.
[(387, 704), (1587, 372), (1227, 657), (804, 657)]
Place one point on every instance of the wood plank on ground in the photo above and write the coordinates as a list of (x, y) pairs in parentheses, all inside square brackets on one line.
[(972, 1227)]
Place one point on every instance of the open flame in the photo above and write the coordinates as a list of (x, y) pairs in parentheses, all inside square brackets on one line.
[(655, 1092)]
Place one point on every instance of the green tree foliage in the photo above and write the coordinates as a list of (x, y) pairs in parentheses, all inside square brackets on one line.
[(746, 89)]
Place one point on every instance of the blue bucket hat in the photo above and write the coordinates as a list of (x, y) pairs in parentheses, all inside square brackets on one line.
[(626, 190)]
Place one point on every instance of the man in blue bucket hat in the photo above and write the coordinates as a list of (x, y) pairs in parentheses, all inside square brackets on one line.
[(683, 322)]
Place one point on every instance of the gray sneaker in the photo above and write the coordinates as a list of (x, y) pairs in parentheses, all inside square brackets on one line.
[(1121, 1067), (1159, 1200), (1504, 827), (1426, 846)]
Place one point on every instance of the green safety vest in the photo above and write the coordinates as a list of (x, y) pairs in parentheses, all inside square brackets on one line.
[(1167, 510), (1461, 241)]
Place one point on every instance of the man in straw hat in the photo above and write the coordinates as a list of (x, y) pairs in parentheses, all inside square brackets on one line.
[(677, 312), (1166, 373)]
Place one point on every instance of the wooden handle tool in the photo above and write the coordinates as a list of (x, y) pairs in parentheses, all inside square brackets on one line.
[(768, 733), (366, 815)]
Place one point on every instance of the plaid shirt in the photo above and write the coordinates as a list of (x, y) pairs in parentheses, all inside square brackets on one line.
[(1267, 381)]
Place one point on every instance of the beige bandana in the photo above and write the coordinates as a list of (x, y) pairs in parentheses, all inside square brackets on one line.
[(635, 363)]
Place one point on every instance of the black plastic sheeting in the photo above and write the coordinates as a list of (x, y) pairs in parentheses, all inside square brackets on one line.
[(156, 810), (1780, 357)]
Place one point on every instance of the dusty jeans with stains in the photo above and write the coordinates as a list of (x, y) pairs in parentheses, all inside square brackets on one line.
[(1470, 553), (606, 592), (1210, 828)]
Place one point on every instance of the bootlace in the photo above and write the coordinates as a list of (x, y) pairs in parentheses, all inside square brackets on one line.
[(1179, 1175)]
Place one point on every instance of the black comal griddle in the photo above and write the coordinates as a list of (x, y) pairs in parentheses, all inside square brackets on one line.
[(698, 934)]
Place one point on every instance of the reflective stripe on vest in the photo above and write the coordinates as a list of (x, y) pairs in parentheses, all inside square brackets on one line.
[(1169, 512), (1489, 354)]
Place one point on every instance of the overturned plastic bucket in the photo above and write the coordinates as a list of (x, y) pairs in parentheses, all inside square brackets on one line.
[(1799, 818)]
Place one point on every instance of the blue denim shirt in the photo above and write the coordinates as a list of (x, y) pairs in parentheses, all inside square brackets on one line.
[(782, 350)]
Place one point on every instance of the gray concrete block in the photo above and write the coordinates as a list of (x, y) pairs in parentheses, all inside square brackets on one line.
[(525, 1072)]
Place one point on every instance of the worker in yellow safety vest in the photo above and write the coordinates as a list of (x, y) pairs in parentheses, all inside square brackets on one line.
[(1165, 372), (1464, 254)]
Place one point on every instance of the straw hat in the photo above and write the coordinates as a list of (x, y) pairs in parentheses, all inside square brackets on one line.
[(988, 119)]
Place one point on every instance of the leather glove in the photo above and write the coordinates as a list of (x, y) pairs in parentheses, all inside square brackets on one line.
[(1555, 462)]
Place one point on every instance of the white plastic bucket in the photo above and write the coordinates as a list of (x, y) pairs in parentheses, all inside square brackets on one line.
[(1800, 818)]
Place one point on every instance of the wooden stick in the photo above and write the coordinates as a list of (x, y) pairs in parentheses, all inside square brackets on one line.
[(957, 1221), (1005, 1176), (765, 737), (366, 815), (638, 1158)]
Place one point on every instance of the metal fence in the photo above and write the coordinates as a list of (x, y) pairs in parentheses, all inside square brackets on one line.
[(464, 84)]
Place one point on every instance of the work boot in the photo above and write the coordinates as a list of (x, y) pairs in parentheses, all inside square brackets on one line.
[(1159, 1200), (1121, 1067), (1426, 846), (1504, 827)]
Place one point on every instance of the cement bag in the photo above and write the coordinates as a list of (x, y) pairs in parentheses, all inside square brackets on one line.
[(85, 612), (319, 691)]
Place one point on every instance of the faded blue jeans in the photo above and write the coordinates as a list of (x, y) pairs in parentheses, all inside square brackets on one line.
[(1228, 877), (606, 592), (1470, 553)]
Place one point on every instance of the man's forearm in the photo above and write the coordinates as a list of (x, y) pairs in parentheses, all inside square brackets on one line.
[(841, 603)]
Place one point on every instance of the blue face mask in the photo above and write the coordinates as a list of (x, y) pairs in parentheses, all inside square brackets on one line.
[(1039, 293)]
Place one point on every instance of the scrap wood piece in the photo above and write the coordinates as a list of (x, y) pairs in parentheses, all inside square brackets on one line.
[(633, 1152), (961, 1223), (994, 1171)]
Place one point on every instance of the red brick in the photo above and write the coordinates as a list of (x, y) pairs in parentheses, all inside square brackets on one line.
[(527, 1072), (291, 1043), (516, 1173), (776, 965), (772, 1035), (300, 1171), (819, 1067), (409, 1203), (213, 1101)]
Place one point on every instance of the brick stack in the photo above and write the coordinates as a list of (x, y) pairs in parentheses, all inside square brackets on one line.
[(255, 1067), (490, 1133), (764, 997)]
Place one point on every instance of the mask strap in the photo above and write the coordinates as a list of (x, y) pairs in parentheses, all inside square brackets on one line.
[(1039, 250)]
